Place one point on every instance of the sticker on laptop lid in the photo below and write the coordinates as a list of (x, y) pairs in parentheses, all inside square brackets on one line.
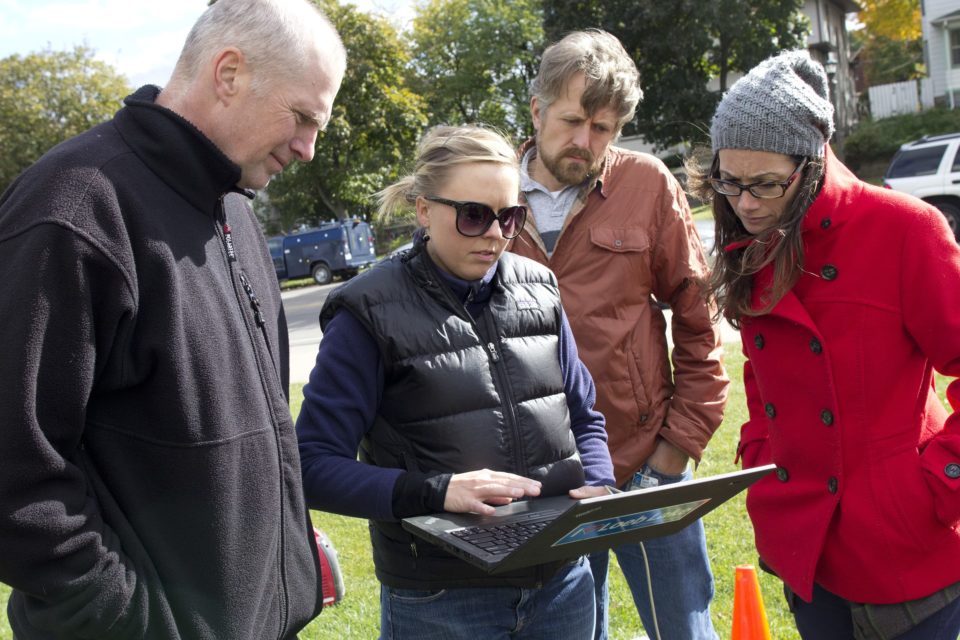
[(629, 522)]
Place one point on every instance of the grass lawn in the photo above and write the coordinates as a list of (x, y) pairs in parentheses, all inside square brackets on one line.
[(296, 284), (729, 541), (703, 212)]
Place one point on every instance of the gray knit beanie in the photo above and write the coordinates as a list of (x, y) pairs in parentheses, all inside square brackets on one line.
[(782, 105)]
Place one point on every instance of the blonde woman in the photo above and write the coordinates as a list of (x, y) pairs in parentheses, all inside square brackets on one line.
[(452, 369)]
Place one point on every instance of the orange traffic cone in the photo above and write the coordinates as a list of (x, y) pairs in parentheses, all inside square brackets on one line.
[(749, 616)]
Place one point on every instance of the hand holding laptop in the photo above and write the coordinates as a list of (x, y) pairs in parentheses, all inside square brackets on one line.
[(587, 491)]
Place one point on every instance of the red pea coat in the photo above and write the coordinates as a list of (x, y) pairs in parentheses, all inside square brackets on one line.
[(839, 384)]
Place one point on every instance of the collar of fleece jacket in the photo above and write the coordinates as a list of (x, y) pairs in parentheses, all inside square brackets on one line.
[(198, 170)]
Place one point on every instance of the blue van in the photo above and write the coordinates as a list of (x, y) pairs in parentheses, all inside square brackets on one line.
[(339, 248)]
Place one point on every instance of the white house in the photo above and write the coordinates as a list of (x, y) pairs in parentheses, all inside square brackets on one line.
[(941, 48)]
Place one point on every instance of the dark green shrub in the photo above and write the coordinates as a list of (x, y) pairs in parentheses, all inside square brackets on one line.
[(875, 141)]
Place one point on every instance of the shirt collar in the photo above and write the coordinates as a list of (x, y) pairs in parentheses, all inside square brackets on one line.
[(177, 151), (481, 289), (470, 290), (528, 151)]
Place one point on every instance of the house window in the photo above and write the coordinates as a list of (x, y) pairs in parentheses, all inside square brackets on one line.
[(955, 47)]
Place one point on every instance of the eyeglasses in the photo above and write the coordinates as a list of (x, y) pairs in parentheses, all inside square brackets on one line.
[(474, 218), (760, 190)]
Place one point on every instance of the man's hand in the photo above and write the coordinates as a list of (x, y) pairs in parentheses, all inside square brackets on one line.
[(475, 491), (668, 459)]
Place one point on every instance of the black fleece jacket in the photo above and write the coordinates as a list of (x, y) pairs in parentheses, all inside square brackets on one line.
[(149, 475)]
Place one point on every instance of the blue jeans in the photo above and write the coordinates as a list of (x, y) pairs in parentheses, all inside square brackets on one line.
[(563, 608), (828, 617), (679, 572)]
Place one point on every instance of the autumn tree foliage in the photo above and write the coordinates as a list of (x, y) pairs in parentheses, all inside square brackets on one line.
[(889, 47)]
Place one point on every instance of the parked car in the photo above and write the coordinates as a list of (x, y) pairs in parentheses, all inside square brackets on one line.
[(929, 168), (335, 249)]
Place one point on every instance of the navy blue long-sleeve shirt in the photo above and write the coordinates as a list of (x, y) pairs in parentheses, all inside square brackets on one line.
[(340, 405)]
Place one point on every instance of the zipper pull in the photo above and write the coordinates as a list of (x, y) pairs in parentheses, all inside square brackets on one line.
[(228, 242), (493, 352), (471, 294), (254, 300)]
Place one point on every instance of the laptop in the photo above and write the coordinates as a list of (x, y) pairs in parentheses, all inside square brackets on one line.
[(541, 530)]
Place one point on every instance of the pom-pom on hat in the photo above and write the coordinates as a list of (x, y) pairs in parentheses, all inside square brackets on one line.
[(782, 105)]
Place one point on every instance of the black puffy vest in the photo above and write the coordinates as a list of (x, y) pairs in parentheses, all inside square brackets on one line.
[(461, 394)]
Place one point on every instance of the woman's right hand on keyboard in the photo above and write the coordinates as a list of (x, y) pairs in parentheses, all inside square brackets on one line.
[(475, 491)]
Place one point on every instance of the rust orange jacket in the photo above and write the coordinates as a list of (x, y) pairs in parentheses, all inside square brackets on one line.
[(866, 500), (629, 239)]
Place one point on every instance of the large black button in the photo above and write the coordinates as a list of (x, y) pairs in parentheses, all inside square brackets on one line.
[(832, 485), (952, 470), (758, 341), (771, 410), (829, 272), (815, 346), (825, 223), (782, 474), (827, 417)]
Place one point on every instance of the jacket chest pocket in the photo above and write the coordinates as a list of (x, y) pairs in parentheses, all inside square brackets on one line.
[(620, 257), (620, 240)]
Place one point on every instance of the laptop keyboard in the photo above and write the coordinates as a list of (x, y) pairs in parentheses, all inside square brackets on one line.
[(499, 539)]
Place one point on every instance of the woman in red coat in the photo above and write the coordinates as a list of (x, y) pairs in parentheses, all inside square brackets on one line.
[(847, 297)]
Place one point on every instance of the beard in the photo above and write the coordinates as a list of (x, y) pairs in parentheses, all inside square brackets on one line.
[(567, 171)]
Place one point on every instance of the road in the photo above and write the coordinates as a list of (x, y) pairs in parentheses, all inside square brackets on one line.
[(302, 307), (706, 231)]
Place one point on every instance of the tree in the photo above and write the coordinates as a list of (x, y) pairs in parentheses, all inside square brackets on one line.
[(50, 96), (373, 129), (884, 61), (889, 47), (680, 46), (473, 60), (897, 20)]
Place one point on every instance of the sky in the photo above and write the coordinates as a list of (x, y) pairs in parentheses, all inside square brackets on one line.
[(140, 38)]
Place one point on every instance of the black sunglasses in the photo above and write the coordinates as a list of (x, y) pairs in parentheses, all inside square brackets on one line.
[(474, 218)]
